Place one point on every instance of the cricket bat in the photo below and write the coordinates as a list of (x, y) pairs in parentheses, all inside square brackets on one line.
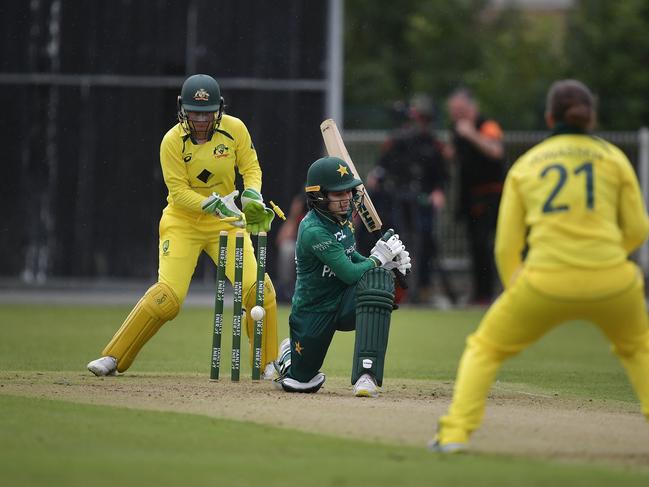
[(366, 210), (336, 147)]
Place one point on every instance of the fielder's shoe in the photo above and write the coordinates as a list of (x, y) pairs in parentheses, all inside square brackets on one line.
[(366, 387), (292, 385), (103, 366), (448, 448), (269, 372)]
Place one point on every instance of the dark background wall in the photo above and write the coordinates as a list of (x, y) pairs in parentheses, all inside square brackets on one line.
[(88, 90)]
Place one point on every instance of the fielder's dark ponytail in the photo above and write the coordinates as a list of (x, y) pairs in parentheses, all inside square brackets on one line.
[(571, 102)]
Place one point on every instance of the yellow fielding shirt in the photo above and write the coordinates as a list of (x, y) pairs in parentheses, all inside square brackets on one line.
[(193, 172), (574, 199)]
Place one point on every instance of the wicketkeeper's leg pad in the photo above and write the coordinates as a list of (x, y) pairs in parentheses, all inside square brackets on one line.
[(158, 305), (269, 337), (374, 301)]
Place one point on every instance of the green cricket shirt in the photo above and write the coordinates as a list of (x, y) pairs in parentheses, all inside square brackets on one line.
[(327, 263)]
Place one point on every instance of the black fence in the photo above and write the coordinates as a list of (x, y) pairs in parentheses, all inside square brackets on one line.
[(88, 91)]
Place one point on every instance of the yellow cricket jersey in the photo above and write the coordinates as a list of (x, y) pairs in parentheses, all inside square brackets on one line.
[(193, 172), (574, 199)]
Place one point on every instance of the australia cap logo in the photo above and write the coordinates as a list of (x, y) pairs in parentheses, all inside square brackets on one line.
[(201, 95)]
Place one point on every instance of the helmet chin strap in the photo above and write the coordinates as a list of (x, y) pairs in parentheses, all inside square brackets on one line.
[(219, 114)]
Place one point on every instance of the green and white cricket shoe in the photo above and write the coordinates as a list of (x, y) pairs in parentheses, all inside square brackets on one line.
[(284, 347), (292, 385), (366, 387), (283, 361), (103, 366)]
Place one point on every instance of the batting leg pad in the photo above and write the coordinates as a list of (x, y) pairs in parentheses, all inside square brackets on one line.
[(374, 301), (158, 305), (269, 336)]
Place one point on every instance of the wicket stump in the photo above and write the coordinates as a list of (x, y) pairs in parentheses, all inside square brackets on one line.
[(218, 306), (259, 324), (237, 306)]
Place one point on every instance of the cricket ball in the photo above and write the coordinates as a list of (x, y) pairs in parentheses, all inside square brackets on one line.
[(257, 313)]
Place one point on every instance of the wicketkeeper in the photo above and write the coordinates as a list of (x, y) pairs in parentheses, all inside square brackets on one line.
[(337, 288), (199, 156)]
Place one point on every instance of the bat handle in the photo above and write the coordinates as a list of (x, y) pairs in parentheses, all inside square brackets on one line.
[(401, 280)]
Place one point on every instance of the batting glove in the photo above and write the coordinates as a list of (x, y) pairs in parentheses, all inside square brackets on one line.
[(258, 216), (401, 263), (225, 207), (386, 250)]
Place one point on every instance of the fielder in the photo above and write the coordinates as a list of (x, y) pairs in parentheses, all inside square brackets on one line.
[(573, 202), (337, 288), (199, 156)]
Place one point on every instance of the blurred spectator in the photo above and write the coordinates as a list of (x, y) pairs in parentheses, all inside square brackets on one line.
[(285, 241), (478, 148), (407, 186)]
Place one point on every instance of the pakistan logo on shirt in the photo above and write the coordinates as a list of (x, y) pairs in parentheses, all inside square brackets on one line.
[(221, 150)]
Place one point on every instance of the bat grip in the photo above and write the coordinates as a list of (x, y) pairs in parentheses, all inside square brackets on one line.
[(400, 278)]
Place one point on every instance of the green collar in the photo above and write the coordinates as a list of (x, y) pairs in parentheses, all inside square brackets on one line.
[(562, 128)]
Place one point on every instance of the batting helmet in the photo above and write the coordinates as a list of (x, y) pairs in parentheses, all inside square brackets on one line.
[(325, 175)]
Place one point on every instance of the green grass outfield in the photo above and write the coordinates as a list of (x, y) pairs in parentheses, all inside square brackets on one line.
[(49, 442)]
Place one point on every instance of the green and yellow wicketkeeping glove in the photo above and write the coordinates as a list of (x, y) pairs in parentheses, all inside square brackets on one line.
[(225, 208), (258, 215)]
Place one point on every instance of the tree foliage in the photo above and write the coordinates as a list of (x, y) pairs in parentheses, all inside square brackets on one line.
[(508, 57), (608, 48)]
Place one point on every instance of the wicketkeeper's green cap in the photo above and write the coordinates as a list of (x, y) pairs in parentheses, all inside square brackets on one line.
[(200, 93)]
